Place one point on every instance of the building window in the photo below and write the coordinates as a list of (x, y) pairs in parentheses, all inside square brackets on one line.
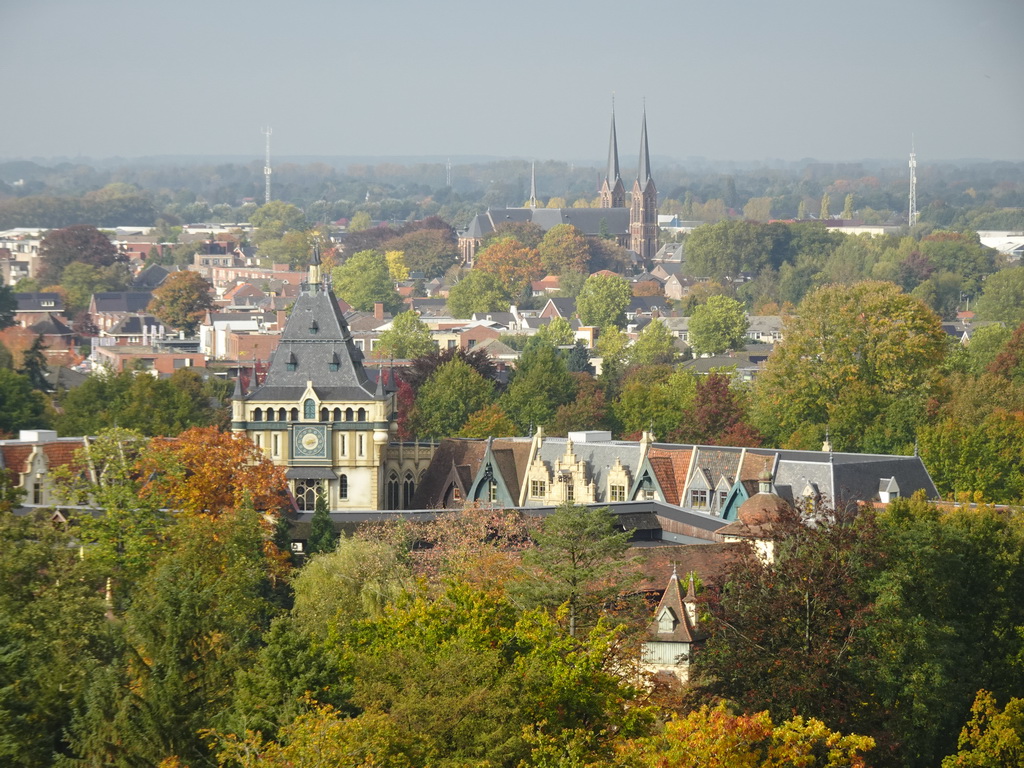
[(309, 409), (299, 547), (275, 451), (360, 451), (342, 443), (722, 496), (570, 492), (618, 493), (456, 493), (408, 489), (699, 499), (538, 489), (37, 492), (348, 414), (391, 502), (492, 491), (325, 414), (282, 414), (306, 492), (343, 487), (361, 414), (257, 415), (270, 414), (337, 414)]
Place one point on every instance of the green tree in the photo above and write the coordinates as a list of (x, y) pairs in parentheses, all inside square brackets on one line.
[(80, 281), (603, 300), (557, 333), (985, 345), (431, 251), (363, 280), (275, 218), (718, 325), (21, 407), (848, 207), (580, 562), (825, 203), (540, 383), (489, 421), (407, 338), (82, 244), (448, 398), (8, 306), (851, 351), (655, 345), (34, 365), (1003, 297), (655, 398), (478, 291), (322, 537), (182, 300), (992, 737), (359, 222)]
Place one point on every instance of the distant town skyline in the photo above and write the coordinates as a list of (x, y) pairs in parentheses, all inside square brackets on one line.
[(745, 81)]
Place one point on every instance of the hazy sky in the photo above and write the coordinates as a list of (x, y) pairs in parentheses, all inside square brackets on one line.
[(741, 80)]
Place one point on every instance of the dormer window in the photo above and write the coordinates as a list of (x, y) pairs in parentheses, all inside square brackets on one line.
[(335, 363), (292, 362), (314, 327), (667, 621)]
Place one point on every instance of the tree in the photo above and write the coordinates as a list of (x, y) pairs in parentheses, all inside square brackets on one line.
[(448, 398), (564, 249), (478, 291), (655, 398), (851, 350), (603, 300), (322, 537), (21, 407), (718, 417), (654, 346), (81, 281), (272, 220), (848, 207), (34, 366), (540, 383), (489, 421), (1003, 297), (422, 368), (718, 325), (512, 263), (986, 344), (8, 307), (557, 333), (430, 251), (182, 300), (82, 244), (717, 738), (406, 339), (786, 633), (359, 222), (579, 562), (363, 280), (992, 737), (825, 202), (587, 410), (396, 266), (205, 472)]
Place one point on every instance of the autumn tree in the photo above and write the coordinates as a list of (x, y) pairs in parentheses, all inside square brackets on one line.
[(718, 416), (655, 345), (564, 249), (182, 300), (718, 325), (422, 368), (511, 262), (207, 472), (81, 244), (429, 250), (603, 300), (489, 421), (992, 736), (655, 398)]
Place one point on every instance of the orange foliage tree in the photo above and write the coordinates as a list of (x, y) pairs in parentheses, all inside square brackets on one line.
[(511, 262), (204, 471)]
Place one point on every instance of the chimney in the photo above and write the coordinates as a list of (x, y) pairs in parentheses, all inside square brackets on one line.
[(378, 311)]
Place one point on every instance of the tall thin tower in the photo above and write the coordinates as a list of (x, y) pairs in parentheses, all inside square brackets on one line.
[(912, 215), (266, 165)]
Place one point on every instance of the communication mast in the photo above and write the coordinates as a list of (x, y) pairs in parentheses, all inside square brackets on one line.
[(912, 216), (448, 172), (266, 166)]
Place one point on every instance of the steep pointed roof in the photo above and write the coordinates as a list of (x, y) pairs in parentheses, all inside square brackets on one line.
[(316, 346), (672, 600), (612, 174), (643, 174)]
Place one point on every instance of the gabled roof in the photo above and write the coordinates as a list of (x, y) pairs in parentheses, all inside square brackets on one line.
[(453, 455), (670, 465), (121, 301), (673, 601), (39, 302)]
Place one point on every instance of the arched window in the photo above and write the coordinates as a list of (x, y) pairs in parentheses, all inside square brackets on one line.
[(282, 414), (325, 414), (343, 487), (295, 414), (348, 414), (391, 500), (309, 409), (362, 414), (408, 489), (337, 414), (306, 492), (270, 414), (257, 414)]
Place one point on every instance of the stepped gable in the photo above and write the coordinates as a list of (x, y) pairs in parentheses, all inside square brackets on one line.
[(316, 346)]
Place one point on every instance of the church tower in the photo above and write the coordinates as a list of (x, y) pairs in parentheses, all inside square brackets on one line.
[(613, 191), (643, 209), (317, 414)]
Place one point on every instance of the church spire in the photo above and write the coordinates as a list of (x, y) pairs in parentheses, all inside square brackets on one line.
[(533, 185), (314, 267), (613, 191), (643, 174)]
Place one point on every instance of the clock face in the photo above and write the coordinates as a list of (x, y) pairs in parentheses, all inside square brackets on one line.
[(311, 442)]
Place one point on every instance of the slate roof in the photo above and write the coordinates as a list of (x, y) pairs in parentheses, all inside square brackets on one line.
[(132, 325), (590, 221), (122, 301), (52, 325), (672, 599), (39, 302), (599, 458), (316, 336), (453, 454)]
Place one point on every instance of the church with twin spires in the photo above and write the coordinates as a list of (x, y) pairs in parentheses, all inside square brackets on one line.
[(633, 226), (321, 417)]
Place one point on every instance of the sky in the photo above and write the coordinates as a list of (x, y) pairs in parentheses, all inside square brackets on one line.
[(741, 80)]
